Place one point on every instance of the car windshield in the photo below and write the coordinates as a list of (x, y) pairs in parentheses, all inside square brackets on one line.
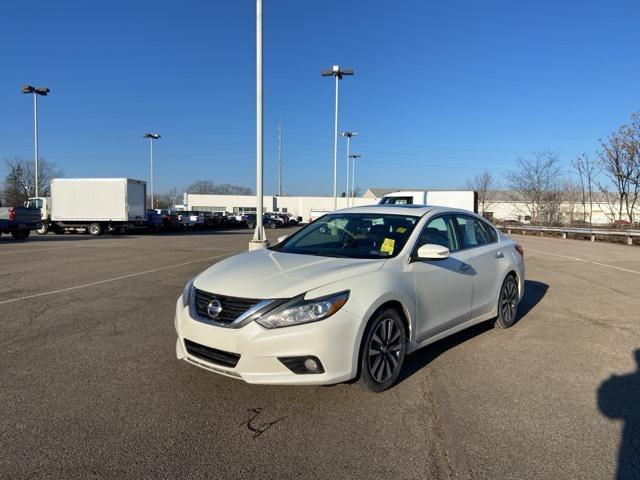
[(351, 235)]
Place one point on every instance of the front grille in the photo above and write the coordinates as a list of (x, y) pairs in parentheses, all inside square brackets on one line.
[(232, 307), (219, 357)]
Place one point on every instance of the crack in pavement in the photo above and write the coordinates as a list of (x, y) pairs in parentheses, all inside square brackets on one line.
[(437, 426)]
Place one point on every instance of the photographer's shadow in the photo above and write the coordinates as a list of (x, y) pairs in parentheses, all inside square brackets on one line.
[(619, 399)]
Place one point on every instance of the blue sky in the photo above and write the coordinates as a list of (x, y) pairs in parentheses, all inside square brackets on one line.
[(441, 89)]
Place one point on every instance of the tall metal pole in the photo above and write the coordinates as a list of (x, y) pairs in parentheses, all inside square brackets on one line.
[(280, 158), (353, 177), (259, 240), (35, 134), (348, 153), (353, 182), (335, 151), (151, 176)]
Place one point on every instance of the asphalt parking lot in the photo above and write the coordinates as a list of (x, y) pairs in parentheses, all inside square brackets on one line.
[(90, 387)]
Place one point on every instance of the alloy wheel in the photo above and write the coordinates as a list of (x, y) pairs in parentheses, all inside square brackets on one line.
[(384, 351), (509, 301)]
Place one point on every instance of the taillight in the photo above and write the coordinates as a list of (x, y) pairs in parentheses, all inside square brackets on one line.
[(519, 249), (12, 214)]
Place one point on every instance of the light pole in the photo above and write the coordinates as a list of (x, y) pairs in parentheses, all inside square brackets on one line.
[(151, 137), (280, 158), (35, 91), (348, 136), (259, 238), (338, 73), (353, 157)]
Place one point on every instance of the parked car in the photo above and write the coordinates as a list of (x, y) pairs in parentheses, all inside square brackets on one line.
[(170, 220), (155, 221), (266, 221), (276, 218), (290, 218), (19, 221), (349, 296), (196, 219)]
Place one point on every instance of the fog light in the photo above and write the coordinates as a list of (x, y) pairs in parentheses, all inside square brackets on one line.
[(311, 364), (303, 365)]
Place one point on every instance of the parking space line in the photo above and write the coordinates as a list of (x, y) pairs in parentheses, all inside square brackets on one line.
[(578, 259), (114, 279), (36, 250)]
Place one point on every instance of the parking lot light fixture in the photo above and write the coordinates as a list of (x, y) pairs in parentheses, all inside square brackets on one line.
[(338, 73), (151, 137), (44, 91), (353, 157), (348, 136)]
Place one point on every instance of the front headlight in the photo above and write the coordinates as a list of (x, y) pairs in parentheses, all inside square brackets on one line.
[(299, 311), (186, 293)]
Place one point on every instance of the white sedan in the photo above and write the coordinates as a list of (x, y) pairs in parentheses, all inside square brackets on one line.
[(349, 296)]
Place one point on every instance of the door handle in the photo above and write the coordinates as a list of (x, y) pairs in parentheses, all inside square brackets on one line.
[(499, 254), (464, 267)]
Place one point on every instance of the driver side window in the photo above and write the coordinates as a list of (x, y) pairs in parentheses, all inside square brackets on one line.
[(439, 231)]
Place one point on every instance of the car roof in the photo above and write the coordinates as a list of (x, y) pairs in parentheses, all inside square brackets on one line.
[(408, 210)]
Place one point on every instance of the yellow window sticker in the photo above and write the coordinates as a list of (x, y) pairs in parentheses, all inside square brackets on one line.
[(401, 229), (387, 246)]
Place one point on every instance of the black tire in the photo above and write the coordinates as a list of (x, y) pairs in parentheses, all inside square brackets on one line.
[(95, 229), (43, 230), (386, 335), (21, 234), (251, 225), (507, 303), (273, 225)]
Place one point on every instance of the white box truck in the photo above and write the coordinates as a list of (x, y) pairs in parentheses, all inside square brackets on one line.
[(464, 199), (93, 205)]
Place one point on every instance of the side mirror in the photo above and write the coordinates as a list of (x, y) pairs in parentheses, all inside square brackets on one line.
[(431, 251), (282, 238)]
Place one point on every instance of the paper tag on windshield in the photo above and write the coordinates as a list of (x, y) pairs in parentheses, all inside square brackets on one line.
[(387, 246), (401, 229)]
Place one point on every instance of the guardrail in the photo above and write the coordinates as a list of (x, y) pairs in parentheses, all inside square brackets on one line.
[(588, 232)]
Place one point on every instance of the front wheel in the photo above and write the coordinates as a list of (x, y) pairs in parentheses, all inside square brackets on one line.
[(43, 230), (507, 303), (383, 351)]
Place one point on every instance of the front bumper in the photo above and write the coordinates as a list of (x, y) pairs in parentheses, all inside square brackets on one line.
[(333, 341)]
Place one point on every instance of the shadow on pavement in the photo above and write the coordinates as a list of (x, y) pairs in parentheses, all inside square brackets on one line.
[(534, 292), (619, 399)]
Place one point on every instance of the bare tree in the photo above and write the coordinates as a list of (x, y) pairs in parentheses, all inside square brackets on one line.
[(166, 199), (485, 185), (536, 184), (207, 187), (620, 156), (572, 198), (20, 182), (587, 170)]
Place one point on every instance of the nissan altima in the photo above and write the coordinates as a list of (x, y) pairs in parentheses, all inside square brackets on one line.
[(349, 296)]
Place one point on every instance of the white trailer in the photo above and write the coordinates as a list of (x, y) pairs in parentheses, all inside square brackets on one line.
[(93, 205), (464, 199)]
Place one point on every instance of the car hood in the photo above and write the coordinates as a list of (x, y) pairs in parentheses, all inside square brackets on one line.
[(265, 274)]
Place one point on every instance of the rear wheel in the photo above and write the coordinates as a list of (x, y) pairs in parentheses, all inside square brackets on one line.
[(43, 230), (95, 229), (507, 303), (383, 351)]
